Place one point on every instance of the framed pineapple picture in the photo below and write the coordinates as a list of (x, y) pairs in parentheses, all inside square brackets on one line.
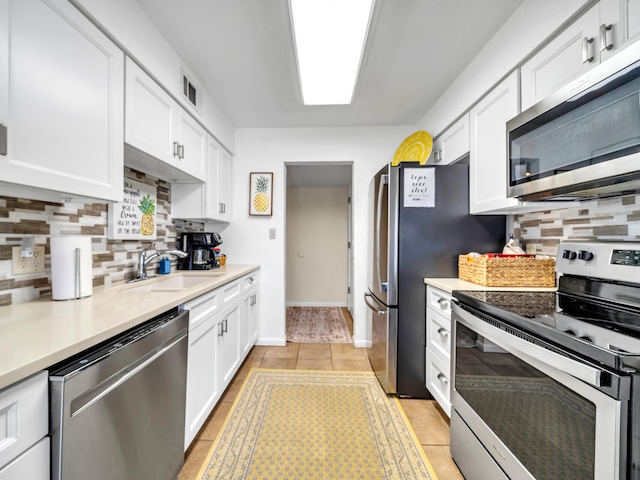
[(135, 217), (261, 193)]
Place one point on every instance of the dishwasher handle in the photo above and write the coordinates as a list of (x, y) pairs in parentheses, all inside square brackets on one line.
[(91, 396)]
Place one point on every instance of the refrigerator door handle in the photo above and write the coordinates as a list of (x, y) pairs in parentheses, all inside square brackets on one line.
[(384, 179), (375, 308)]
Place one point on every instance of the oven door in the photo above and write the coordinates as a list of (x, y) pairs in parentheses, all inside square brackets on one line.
[(537, 413)]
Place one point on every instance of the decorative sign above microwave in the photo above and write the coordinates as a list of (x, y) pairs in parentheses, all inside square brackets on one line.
[(582, 141)]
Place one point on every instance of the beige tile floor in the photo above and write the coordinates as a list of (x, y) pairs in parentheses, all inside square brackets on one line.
[(429, 422)]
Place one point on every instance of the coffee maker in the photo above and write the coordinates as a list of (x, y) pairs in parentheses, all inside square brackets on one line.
[(199, 246)]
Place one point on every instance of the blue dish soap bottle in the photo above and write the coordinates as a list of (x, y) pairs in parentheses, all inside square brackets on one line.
[(165, 266)]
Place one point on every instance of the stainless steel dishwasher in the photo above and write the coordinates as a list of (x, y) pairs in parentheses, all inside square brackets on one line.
[(117, 411)]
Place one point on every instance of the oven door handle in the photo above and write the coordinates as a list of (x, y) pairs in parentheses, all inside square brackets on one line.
[(523, 348)]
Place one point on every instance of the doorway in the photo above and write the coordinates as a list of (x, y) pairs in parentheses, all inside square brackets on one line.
[(319, 260)]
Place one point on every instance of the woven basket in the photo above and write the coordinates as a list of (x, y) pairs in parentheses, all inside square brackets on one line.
[(507, 271)]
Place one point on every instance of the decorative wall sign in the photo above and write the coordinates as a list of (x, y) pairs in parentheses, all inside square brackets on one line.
[(419, 187), (260, 193), (135, 217)]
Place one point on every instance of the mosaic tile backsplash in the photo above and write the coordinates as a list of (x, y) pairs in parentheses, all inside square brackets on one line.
[(611, 219), (113, 260)]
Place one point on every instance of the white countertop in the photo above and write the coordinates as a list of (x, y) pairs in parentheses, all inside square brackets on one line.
[(451, 284), (36, 335)]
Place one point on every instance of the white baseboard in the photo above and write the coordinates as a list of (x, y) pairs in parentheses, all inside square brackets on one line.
[(315, 304), (362, 343), (272, 342)]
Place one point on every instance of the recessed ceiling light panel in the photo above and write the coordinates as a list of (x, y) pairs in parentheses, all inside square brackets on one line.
[(329, 37)]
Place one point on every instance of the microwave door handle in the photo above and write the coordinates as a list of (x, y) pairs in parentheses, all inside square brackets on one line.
[(384, 179), (521, 347)]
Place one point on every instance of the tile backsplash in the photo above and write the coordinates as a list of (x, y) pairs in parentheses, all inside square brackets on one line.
[(611, 219), (113, 260)]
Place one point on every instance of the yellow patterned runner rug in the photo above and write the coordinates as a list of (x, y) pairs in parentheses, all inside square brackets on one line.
[(296, 424)]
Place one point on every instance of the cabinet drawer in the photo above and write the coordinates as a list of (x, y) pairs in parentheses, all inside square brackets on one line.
[(438, 381), (203, 307), (439, 334), (229, 292), (249, 281), (439, 301), (24, 416)]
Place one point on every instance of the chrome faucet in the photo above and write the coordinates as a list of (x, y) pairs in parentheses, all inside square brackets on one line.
[(144, 260)]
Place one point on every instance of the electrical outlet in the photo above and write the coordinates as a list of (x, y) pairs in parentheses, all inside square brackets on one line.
[(272, 234), (32, 264)]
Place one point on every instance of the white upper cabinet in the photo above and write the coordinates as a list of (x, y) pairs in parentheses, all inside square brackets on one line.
[(168, 142), (619, 25), (210, 200), (601, 32), (453, 143), (61, 101), (571, 53), (488, 149)]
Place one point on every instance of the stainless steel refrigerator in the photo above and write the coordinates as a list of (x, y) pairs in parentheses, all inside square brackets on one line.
[(421, 223)]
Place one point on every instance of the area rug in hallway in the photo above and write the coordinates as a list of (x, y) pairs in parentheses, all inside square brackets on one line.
[(297, 424), (317, 325)]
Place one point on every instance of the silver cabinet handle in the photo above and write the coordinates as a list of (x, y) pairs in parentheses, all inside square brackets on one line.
[(3, 139), (224, 326), (181, 152), (443, 378), (220, 331), (606, 37), (437, 156), (443, 303), (443, 332), (176, 149), (587, 50)]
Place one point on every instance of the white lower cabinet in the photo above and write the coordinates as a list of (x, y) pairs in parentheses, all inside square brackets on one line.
[(438, 351), (24, 424), (221, 334), (249, 313), (32, 464)]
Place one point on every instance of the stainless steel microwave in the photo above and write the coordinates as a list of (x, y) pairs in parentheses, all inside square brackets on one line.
[(582, 141)]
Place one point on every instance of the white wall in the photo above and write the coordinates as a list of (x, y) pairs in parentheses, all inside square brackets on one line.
[(316, 246), (246, 240), (130, 27), (526, 29)]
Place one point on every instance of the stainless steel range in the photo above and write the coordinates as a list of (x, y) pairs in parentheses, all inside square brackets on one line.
[(547, 385)]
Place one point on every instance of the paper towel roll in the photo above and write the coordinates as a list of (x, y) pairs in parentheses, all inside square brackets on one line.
[(71, 267)]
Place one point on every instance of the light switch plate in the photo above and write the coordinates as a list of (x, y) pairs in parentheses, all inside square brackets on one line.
[(33, 264), (272, 234)]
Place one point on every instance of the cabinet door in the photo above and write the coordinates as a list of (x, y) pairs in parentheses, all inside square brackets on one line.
[(228, 336), (453, 143), (619, 25), (488, 153), (192, 139), (224, 185), (150, 116), (254, 317), (34, 464), (245, 319), (202, 385), (573, 52), (62, 88)]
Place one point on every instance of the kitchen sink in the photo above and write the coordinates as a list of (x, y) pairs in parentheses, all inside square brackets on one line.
[(170, 284)]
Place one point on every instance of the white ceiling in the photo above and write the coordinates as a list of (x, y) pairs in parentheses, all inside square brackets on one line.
[(242, 53)]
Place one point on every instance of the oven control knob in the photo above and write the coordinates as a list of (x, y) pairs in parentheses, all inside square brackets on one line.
[(569, 254), (585, 255)]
